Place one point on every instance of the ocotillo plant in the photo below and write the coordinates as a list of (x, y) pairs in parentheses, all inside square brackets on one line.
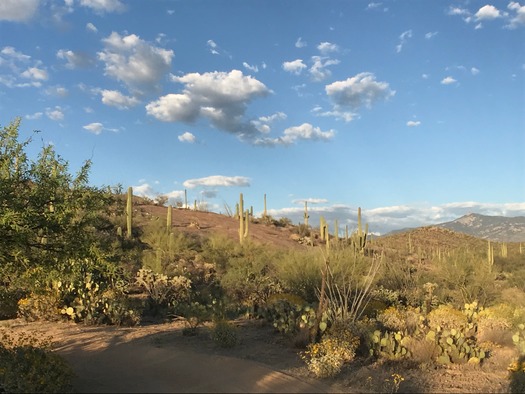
[(168, 219), (129, 212)]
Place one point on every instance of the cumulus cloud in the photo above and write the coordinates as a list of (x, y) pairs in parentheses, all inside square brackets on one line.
[(319, 71), (74, 59), (431, 34), (382, 220), (58, 90), (296, 133), (264, 123), (103, 6), (487, 12), (474, 71), (187, 137), (56, 113), (448, 80), (95, 128), (217, 181), (220, 97), (518, 19), (12, 53), (294, 67), (361, 90), (35, 73), (135, 62), (114, 98), (18, 10), (36, 115), (327, 47), (413, 123)]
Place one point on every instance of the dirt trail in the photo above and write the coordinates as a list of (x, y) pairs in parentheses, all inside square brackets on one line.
[(158, 359)]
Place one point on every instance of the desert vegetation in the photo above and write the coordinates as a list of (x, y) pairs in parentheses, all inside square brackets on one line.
[(426, 299)]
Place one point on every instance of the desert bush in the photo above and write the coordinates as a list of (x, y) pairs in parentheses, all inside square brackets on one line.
[(28, 365), (422, 350), (250, 277), (9, 302), (517, 376), (163, 290), (405, 319), (299, 273), (446, 317), (337, 347), (289, 314), (40, 307), (494, 324), (224, 334)]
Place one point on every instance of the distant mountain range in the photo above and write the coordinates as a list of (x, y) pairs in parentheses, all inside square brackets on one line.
[(494, 228)]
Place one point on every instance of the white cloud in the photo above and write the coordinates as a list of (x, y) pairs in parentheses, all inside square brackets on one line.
[(11, 52), (373, 5), (403, 38), (18, 10), (115, 98), (251, 68), (458, 11), (519, 18), (91, 27), (36, 115), (95, 128), (327, 47), (263, 123), (102, 6), (413, 123), (294, 67), (293, 134), (474, 71), (487, 12), (74, 59), (217, 181), (358, 91), (382, 220), (448, 80), (430, 35), (300, 43), (319, 70), (220, 97), (58, 90), (212, 46), (35, 73), (187, 137), (133, 61), (56, 113)]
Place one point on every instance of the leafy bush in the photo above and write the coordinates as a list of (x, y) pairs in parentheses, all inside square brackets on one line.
[(337, 347), (40, 307), (28, 365), (9, 302), (224, 334)]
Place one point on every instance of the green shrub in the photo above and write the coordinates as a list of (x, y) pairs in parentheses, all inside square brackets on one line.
[(224, 334), (28, 365), (517, 376), (9, 302), (337, 347)]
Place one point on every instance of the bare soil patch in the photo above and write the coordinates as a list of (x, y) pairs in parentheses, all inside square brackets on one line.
[(159, 358)]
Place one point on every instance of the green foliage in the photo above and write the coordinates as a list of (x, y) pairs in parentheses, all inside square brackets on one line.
[(163, 290), (337, 347), (389, 345), (517, 376), (27, 365), (224, 334), (289, 313)]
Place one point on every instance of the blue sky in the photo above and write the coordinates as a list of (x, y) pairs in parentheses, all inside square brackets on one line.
[(412, 110)]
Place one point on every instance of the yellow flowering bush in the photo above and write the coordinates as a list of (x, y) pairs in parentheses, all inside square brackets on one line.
[(327, 357)]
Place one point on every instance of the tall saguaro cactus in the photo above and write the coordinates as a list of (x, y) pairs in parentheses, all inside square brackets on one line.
[(359, 237), (169, 219), (129, 212), (265, 214), (243, 221), (306, 213)]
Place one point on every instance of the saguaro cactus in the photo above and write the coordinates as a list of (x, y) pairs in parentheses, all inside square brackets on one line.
[(243, 221), (129, 212), (359, 237), (265, 214), (306, 213), (169, 219)]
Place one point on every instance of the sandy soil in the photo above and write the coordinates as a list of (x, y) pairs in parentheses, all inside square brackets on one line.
[(158, 358)]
